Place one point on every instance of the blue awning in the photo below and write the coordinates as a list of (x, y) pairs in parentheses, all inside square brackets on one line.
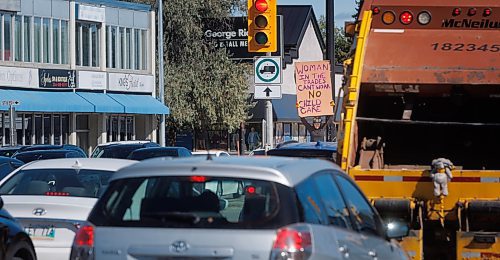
[(102, 102), (44, 101), (140, 104)]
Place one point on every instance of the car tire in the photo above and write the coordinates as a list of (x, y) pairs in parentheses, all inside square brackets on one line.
[(21, 250)]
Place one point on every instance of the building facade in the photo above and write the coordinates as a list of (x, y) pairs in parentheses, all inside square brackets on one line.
[(77, 71)]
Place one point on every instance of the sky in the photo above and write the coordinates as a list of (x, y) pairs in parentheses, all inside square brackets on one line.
[(344, 9)]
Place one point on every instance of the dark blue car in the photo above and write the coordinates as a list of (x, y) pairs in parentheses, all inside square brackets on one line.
[(7, 165), (38, 147), (30, 156), (8, 151), (14, 242), (322, 150), (153, 152)]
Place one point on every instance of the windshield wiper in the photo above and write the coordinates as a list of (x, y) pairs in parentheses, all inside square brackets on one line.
[(174, 216)]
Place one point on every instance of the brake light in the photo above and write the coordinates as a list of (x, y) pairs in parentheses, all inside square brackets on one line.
[(83, 244), (85, 236), (198, 178), (456, 12), (376, 10), (406, 17), (292, 240), (487, 12), (56, 193), (250, 190)]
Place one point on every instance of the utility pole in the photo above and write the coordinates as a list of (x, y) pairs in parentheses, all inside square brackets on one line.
[(161, 72), (269, 121), (330, 53), (12, 125)]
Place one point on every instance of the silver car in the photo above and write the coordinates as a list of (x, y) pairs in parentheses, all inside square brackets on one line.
[(234, 208)]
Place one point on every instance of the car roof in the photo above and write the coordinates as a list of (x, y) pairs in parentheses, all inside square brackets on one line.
[(160, 148), (105, 164), (55, 151), (311, 145), (209, 151), (126, 142), (287, 171), (9, 159)]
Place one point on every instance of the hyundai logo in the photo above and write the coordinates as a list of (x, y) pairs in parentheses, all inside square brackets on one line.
[(39, 212), (179, 247)]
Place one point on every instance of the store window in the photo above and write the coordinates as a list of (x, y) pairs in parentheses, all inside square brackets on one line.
[(127, 48), (87, 44), (33, 39), (120, 128), (35, 129)]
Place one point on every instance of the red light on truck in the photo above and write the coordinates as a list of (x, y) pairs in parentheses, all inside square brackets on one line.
[(487, 12), (472, 12), (457, 11), (406, 17), (376, 10)]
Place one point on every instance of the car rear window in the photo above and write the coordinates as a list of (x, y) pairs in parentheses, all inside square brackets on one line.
[(57, 182), (117, 151), (196, 202)]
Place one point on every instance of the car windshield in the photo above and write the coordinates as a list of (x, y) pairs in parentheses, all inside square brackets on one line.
[(195, 202), (57, 182)]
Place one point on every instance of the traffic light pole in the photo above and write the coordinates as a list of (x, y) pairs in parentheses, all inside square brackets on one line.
[(269, 121), (330, 54), (161, 72)]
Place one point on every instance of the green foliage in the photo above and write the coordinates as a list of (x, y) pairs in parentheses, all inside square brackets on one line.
[(342, 43), (203, 87)]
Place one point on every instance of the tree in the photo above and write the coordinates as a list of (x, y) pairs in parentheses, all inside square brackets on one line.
[(203, 86), (342, 43)]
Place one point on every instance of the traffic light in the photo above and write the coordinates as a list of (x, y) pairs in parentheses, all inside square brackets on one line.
[(262, 26)]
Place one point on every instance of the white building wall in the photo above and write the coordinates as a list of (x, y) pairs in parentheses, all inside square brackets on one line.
[(309, 50)]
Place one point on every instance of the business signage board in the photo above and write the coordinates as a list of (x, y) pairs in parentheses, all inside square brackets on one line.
[(50, 78), (18, 77), (314, 88), (131, 82), (232, 34), (92, 80), (10, 5), (90, 13)]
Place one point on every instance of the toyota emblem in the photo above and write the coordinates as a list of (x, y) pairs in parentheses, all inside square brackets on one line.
[(179, 246), (39, 212)]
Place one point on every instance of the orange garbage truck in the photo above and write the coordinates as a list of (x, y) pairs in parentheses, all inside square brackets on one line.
[(420, 129)]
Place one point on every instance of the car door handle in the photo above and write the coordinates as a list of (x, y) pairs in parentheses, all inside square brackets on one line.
[(344, 250), (372, 253)]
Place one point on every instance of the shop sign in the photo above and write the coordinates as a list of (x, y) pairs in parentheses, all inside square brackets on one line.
[(18, 77), (50, 78), (232, 34), (91, 80), (90, 13), (131, 82)]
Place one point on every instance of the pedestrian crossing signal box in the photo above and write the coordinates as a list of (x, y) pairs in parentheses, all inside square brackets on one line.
[(262, 26)]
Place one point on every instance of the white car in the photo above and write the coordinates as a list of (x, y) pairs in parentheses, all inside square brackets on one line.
[(215, 153), (51, 198)]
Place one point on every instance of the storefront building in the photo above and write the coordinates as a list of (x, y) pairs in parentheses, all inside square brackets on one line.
[(77, 72)]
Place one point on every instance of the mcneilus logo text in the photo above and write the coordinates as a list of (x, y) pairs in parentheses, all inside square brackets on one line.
[(469, 23)]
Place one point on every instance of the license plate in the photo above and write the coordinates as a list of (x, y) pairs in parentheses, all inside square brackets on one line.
[(41, 232)]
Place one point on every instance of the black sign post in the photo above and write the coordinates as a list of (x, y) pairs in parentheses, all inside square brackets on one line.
[(50, 78), (232, 34)]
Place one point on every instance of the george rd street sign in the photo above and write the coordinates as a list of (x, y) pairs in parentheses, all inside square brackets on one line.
[(267, 92), (267, 70)]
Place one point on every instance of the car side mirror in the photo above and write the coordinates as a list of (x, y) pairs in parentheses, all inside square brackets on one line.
[(396, 229)]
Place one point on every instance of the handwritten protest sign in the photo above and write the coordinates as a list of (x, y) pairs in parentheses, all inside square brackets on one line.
[(314, 88)]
